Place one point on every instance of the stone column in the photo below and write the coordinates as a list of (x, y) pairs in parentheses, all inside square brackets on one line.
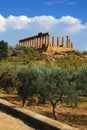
[(62, 41), (33, 42), (48, 40), (58, 41), (72, 45), (45, 41), (52, 40), (67, 39), (37, 42), (29, 43), (69, 43), (23, 43), (41, 41)]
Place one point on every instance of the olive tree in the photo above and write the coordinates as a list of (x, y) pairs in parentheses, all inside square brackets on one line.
[(58, 83), (8, 79), (28, 81), (82, 81)]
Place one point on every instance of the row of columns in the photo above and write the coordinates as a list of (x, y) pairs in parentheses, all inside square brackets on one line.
[(37, 41), (43, 39), (69, 44)]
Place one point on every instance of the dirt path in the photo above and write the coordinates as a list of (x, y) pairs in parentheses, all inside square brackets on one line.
[(7, 122)]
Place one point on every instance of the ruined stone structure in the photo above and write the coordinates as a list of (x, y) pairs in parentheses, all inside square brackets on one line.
[(42, 41)]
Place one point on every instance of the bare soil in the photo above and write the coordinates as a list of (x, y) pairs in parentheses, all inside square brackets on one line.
[(7, 122), (76, 117)]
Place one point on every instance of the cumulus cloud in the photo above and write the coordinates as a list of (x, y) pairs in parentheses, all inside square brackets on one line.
[(72, 24), (17, 22), (44, 21), (23, 22), (2, 23), (69, 23)]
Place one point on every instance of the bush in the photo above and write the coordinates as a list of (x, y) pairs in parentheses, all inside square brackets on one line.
[(27, 50), (3, 50)]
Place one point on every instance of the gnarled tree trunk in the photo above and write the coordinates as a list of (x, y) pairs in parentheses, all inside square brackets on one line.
[(54, 105)]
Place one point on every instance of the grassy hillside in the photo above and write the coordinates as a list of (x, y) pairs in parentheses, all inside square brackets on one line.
[(30, 56)]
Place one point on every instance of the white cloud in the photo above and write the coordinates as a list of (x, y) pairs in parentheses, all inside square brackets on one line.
[(72, 24), (69, 23), (69, 20), (2, 23), (17, 22), (44, 21)]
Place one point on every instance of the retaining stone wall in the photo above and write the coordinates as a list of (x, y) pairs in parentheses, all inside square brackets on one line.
[(38, 121)]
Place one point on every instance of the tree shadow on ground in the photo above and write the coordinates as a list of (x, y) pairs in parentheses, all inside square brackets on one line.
[(70, 119), (10, 98)]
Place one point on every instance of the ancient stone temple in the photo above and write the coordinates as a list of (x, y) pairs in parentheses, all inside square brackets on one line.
[(43, 41)]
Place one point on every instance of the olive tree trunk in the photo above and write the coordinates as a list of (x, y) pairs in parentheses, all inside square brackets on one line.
[(54, 106)]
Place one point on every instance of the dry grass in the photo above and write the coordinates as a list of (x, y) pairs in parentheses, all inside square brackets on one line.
[(76, 117)]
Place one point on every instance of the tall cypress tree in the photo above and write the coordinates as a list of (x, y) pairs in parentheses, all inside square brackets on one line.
[(3, 50)]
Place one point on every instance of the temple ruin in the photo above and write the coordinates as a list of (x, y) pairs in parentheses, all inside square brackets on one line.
[(42, 41)]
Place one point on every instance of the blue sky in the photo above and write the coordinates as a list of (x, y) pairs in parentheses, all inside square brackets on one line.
[(24, 18)]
